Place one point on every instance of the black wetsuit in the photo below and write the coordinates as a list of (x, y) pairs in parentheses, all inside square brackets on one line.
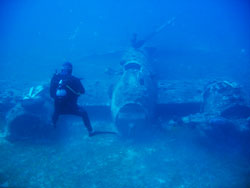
[(67, 103)]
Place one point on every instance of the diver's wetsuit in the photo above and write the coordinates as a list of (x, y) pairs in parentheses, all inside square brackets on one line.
[(65, 91)]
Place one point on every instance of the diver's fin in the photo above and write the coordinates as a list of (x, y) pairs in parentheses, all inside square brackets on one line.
[(101, 132)]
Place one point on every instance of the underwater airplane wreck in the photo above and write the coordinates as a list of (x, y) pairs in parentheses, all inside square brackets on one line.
[(135, 100), (139, 102)]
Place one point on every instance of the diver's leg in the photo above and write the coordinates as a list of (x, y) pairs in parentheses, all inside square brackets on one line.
[(86, 120), (81, 112)]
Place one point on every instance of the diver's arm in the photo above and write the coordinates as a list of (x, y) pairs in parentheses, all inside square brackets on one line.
[(76, 87)]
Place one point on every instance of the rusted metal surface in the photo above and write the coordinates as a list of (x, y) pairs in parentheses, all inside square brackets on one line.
[(134, 96)]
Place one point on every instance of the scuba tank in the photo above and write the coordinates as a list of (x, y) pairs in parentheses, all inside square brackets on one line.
[(61, 91)]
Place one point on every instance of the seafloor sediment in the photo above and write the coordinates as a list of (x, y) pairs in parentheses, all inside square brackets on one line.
[(169, 159)]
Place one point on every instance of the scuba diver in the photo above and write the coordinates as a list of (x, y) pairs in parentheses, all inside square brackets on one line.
[(65, 90)]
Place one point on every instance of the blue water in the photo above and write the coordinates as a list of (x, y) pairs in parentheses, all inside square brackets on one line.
[(208, 40), (208, 36)]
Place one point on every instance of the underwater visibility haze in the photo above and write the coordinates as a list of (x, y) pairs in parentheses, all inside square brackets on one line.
[(166, 90)]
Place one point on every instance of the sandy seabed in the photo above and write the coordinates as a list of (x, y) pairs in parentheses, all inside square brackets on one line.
[(174, 158)]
